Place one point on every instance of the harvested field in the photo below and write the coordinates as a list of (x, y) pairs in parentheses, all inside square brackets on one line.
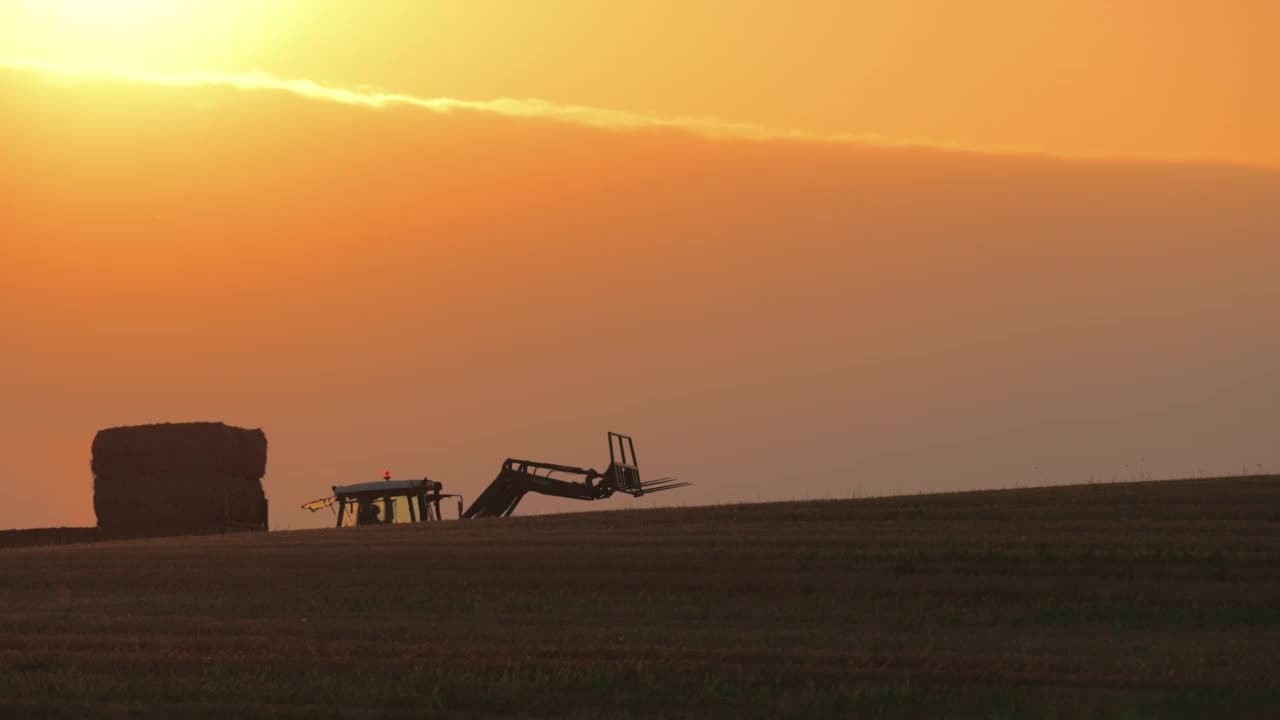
[(1119, 600), (179, 478), (48, 536)]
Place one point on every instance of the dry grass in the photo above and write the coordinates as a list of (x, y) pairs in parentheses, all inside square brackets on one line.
[(1128, 600)]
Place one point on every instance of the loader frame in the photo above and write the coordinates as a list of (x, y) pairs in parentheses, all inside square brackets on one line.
[(520, 477), (515, 479)]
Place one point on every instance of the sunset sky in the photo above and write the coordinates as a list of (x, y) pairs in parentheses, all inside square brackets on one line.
[(797, 249)]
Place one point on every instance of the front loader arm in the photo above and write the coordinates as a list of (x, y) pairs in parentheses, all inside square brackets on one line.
[(519, 477)]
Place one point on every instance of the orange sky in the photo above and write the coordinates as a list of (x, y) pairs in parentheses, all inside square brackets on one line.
[(772, 318), (1152, 78)]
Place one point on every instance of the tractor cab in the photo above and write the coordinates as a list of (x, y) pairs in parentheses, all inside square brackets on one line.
[(385, 502)]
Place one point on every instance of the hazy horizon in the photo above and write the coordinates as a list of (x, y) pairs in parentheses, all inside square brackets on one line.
[(770, 319)]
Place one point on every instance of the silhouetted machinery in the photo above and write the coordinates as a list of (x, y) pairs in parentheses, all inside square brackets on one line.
[(519, 477), (398, 501), (389, 501)]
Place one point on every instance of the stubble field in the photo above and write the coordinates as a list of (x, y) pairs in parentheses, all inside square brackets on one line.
[(1114, 600)]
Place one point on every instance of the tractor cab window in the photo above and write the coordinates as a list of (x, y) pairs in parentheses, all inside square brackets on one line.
[(378, 511), (397, 510), (363, 511), (371, 512)]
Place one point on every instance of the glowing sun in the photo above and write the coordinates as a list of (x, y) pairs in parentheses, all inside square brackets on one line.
[(149, 33)]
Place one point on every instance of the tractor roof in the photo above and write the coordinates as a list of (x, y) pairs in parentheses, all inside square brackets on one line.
[(392, 486)]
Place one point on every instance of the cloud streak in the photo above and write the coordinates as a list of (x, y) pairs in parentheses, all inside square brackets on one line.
[(581, 115)]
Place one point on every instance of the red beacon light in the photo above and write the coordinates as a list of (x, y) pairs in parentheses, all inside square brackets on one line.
[(386, 474)]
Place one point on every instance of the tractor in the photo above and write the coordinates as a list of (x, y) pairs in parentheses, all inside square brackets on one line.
[(388, 501), (411, 501)]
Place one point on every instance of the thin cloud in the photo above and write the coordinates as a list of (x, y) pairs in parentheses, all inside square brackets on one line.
[(582, 115)]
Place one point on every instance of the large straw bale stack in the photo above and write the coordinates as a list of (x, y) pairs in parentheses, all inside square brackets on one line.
[(179, 478)]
